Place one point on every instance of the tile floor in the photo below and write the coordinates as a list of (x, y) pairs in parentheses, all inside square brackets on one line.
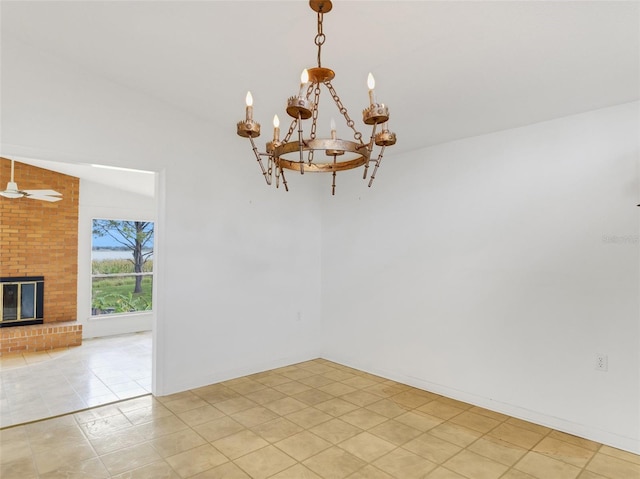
[(45, 384), (316, 419)]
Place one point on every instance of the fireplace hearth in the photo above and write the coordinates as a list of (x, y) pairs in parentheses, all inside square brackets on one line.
[(22, 300)]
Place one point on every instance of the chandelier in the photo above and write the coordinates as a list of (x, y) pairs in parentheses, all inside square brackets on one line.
[(310, 153)]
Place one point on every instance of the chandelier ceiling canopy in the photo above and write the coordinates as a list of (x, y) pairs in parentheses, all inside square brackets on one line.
[(309, 152)]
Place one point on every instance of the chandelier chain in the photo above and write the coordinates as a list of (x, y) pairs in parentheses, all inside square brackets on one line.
[(350, 123), (320, 38), (314, 120)]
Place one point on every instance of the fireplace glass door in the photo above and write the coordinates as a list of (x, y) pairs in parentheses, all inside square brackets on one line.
[(22, 301)]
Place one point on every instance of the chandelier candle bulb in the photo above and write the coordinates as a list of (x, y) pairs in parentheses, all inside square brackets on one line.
[(304, 79), (333, 129), (276, 128), (249, 102), (371, 83)]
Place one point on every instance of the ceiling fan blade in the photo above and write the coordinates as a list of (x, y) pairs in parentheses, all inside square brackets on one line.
[(42, 192), (44, 198)]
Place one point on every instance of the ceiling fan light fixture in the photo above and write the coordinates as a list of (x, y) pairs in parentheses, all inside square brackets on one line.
[(333, 154)]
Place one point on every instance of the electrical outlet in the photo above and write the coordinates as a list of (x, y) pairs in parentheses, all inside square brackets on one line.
[(602, 362)]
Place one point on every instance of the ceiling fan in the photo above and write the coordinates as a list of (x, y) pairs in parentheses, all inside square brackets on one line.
[(12, 191)]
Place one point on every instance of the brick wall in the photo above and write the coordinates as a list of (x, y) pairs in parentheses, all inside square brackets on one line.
[(38, 238), (39, 337)]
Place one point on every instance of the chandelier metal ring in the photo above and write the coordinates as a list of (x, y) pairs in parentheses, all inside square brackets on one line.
[(323, 144)]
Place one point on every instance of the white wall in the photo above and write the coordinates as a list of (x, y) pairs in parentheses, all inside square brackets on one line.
[(476, 268), (99, 201), (238, 276), (493, 269)]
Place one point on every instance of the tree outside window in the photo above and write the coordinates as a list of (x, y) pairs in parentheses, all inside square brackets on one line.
[(121, 266)]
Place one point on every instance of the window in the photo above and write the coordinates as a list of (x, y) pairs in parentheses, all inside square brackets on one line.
[(121, 266)]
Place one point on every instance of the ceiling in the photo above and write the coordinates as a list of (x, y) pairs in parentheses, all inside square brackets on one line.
[(447, 69)]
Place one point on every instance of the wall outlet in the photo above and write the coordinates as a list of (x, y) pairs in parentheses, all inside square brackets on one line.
[(602, 362)]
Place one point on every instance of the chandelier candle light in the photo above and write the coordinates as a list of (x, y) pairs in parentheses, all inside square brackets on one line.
[(334, 154)]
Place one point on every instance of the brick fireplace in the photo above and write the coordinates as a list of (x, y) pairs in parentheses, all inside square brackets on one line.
[(40, 239)]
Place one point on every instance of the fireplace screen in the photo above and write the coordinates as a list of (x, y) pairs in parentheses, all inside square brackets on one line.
[(22, 301)]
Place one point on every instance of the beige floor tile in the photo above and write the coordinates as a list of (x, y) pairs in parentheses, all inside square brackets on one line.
[(385, 389), (119, 440), (277, 430), (298, 374), (316, 381), (370, 472), (367, 447), (516, 435), (500, 451), (273, 379), (440, 409), (218, 428), (588, 475), (197, 460), (286, 405), (106, 426), (264, 396), (155, 470), (529, 426), (265, 462), (564, 451), (363, 418), (303, 445), (254, 416), (544, 467), (234, 405), (335, 430), (129, 458), (239, 444), (419, 420), (215, 393), (432, 448), (225, 471), (309, 417), (360, 398), (247, 387), (339, 374), (337, 389), (613, 467), (387, 408), (578, 441), (296, 472), (359, 382), (200, 415), (291, 388), (334, 463), (147, 414), (444, 473), (620, 454), (15, 449), (475, 421), (336, 406), (515, 474), (91, 468), (312, 397), (412, 399), (404, 464), (53, 458), (19, 469), (160, 427), (177, 442), (55, 437), (395, 432), (470, 464), (459, 435), (488, 413)]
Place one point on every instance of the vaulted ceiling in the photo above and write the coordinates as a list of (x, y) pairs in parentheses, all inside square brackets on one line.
[(447, 69)]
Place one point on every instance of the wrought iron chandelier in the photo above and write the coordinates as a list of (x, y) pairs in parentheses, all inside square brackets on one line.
[(310, 153)]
